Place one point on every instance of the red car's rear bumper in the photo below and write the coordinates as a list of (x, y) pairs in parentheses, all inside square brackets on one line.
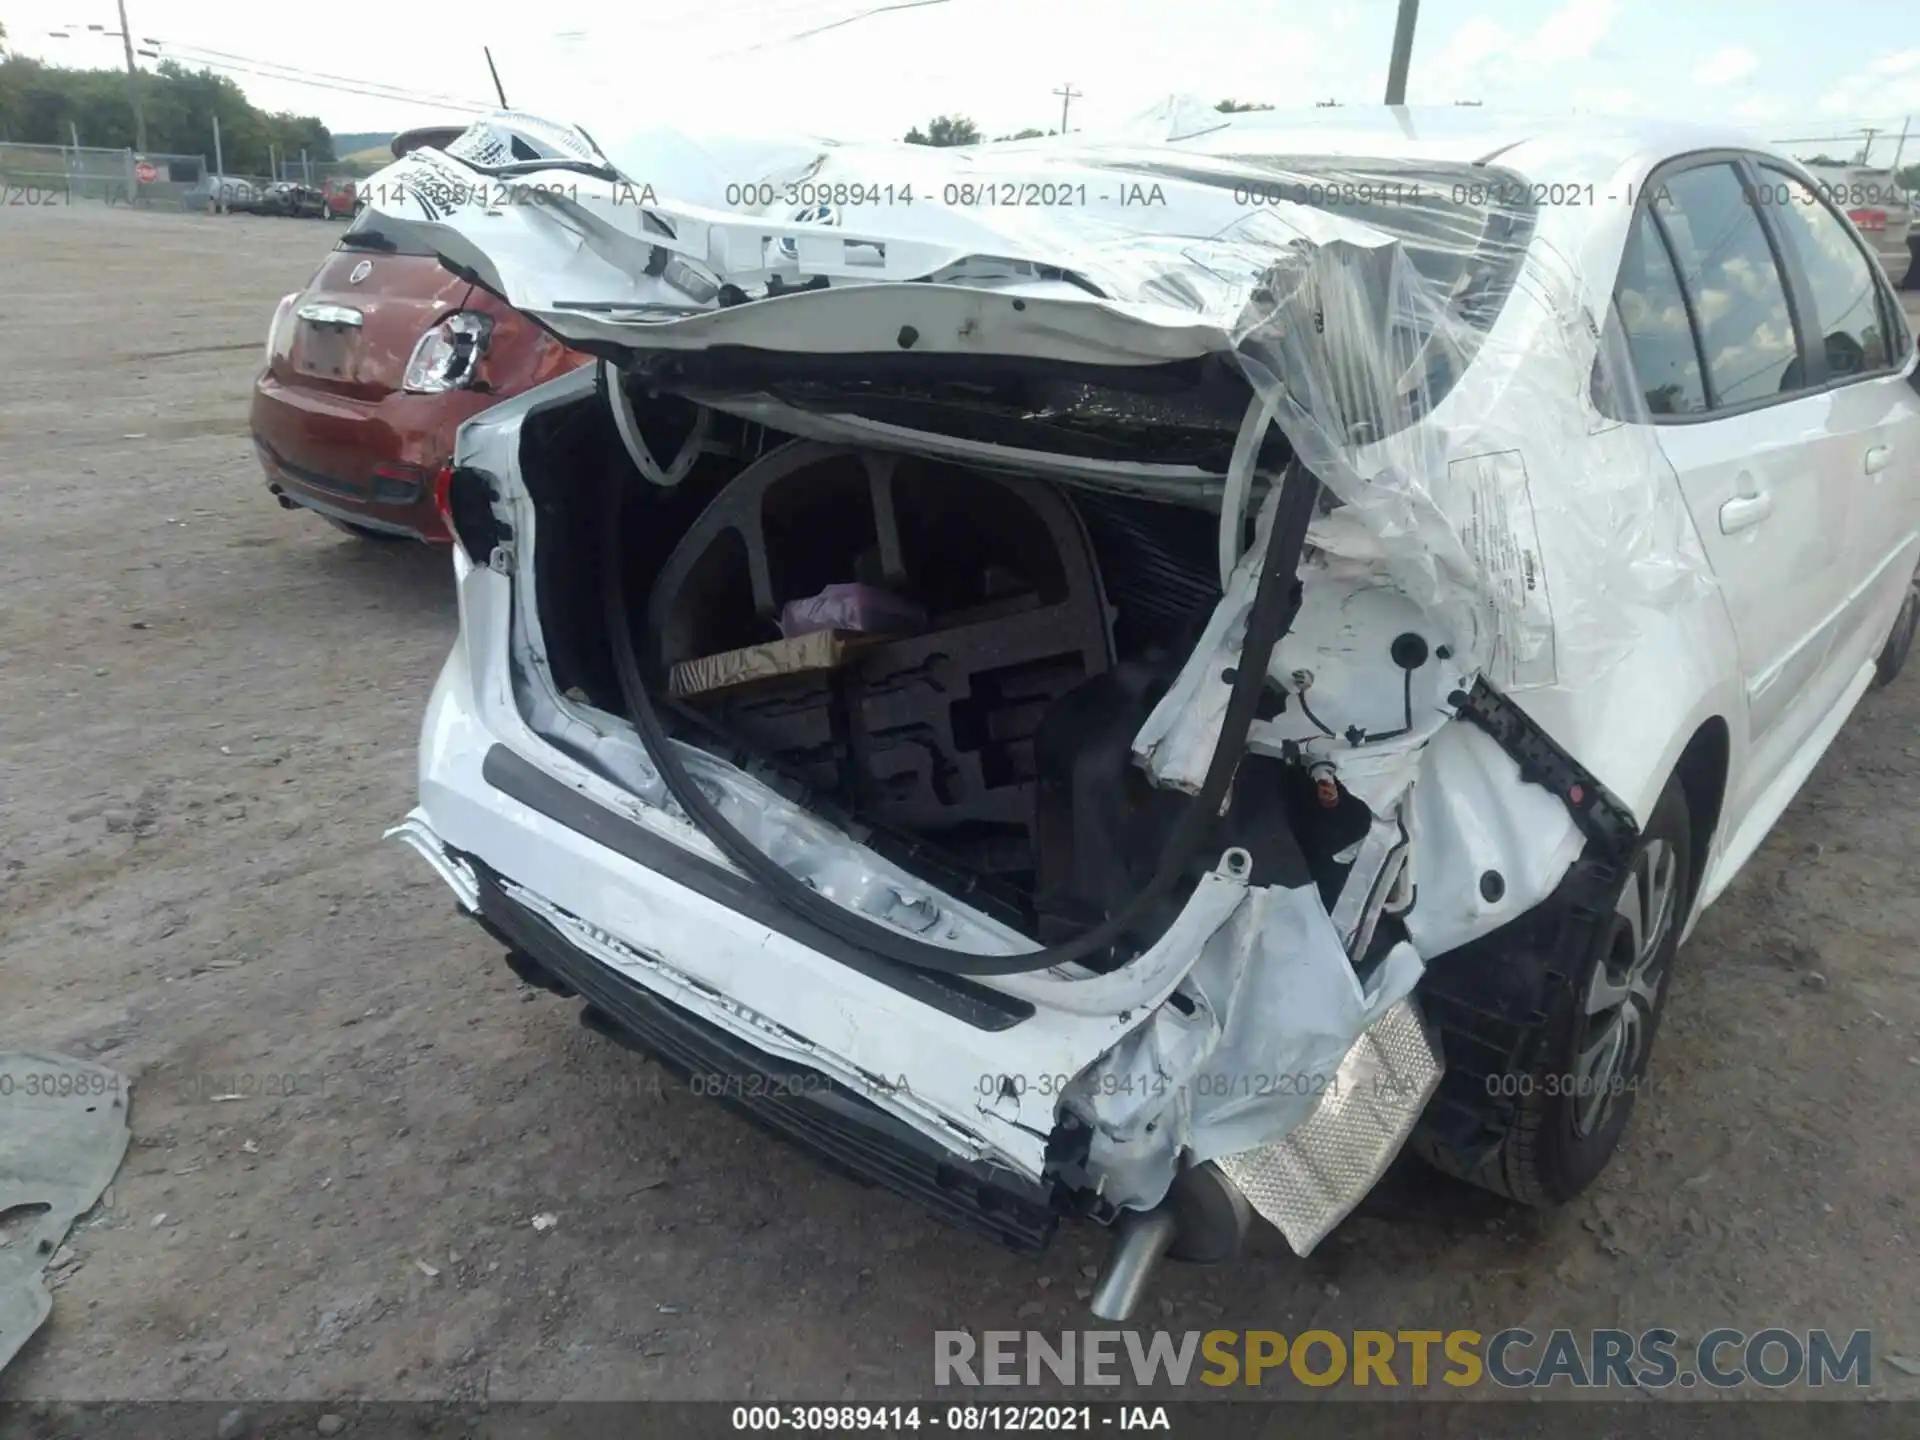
[(368, 462)]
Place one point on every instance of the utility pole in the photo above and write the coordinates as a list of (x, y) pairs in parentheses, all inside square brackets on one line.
[(1866, 146), (1067, 96), (1402, 52), (1905, 121), (133, 83), (218, 188)]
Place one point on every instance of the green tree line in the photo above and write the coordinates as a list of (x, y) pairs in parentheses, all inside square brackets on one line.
[(43, 104)]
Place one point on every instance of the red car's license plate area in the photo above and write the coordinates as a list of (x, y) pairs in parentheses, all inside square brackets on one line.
[(325, 352)]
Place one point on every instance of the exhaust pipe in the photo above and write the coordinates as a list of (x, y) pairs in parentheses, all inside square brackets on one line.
[(1204, 1220), (1144, 1239)]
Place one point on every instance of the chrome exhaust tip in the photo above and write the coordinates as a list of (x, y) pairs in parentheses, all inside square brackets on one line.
[(1138, 1249), (1204, 1220)]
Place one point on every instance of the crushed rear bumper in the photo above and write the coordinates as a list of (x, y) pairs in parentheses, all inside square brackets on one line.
[(824, 1116)]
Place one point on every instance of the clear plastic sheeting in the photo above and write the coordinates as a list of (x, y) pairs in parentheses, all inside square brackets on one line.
[(1271, 1009), (1423, 349)]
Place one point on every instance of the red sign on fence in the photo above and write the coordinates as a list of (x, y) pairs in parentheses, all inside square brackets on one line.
[(146, 172)]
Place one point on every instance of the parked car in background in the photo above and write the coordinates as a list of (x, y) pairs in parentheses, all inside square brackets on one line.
[(287, 198), (369, 371), (873, 701), (343, 198), (1880, 210), (221, 191)]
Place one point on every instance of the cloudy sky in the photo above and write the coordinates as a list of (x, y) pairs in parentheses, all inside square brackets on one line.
[(1788, 68)]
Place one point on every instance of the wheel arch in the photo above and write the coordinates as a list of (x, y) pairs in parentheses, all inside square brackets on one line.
[(1702, 771)]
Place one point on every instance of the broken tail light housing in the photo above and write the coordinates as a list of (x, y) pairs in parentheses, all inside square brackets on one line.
[(448, 355)]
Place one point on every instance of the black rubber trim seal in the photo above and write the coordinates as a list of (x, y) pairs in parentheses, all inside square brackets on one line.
[(514, 775), (1276, 601)]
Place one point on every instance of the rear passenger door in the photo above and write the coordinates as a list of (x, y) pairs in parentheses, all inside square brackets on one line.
[(1713, 321), (1871, 431)]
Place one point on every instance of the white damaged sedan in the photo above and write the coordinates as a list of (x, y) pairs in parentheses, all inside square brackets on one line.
[(1135, 678)]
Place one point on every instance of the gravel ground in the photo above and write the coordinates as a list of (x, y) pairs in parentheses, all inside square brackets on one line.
[(210, 710)]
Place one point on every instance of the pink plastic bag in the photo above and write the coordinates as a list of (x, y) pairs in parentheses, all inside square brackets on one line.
[(865, 609)]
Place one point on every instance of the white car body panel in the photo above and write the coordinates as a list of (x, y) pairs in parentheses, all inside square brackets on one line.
[(1576, 561)]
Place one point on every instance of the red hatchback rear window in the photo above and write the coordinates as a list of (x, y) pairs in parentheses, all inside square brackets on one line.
[(365, 234)]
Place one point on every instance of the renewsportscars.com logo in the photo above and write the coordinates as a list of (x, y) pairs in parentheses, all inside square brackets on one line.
[(1514, 1359)]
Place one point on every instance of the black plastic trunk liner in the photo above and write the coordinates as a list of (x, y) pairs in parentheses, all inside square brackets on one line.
[(820, 1115)]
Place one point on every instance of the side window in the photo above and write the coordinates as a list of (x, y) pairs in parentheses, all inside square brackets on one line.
[(1846, 295), (1739, 298), (1652, 314)]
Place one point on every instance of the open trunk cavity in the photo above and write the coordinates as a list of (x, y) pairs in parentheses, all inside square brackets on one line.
[(968, 709)]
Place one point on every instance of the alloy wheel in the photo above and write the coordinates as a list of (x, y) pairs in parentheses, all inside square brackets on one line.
[(1618, 1009)]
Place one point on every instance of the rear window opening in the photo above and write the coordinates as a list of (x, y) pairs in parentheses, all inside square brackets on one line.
[(366, 232)]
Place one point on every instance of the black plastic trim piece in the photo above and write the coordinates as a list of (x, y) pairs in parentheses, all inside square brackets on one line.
[(512, 774), (821, 1115), (1599, 813), (471, 496)]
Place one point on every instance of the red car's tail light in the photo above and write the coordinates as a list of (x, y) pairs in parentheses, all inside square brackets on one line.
[(448, 355), (1868, 219)]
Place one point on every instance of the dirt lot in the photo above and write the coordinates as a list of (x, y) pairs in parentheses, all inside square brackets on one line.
[(210, 710)]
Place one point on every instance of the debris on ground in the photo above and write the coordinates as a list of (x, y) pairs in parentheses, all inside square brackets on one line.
[(63, 1133)]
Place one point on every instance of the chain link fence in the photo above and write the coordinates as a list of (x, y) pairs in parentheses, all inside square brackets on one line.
[(114, 177)]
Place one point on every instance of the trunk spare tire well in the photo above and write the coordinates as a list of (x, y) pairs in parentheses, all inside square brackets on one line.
[(1276, 602)]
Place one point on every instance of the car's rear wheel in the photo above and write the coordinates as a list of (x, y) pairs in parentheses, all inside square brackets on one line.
[(1911, 280), (1562, 1110), (1893, 655)]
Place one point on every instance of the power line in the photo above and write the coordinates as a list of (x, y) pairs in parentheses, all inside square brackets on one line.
[(210, 59), (399, 96), (833, 25), (318, 79)]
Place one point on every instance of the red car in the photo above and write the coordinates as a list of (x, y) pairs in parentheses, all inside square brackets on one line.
[(371, 369), (343, 198)]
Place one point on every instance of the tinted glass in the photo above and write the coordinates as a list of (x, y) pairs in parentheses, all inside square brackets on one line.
[(1846, 297), (1653, 316), (366, 233), (1738, 297)]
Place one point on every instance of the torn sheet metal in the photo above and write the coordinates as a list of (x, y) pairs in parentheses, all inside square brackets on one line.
[(63, 1133), (1269, 1013)]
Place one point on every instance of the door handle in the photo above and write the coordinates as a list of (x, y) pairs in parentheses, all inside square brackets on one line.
[(1744, 510), (1876, 458)]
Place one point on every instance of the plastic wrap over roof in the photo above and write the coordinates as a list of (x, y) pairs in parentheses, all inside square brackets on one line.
[(1398, 315)]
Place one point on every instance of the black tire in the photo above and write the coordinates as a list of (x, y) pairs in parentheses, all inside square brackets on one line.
[(1558, 1127), (1893, 655), (1911, 280), (366, 532)]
